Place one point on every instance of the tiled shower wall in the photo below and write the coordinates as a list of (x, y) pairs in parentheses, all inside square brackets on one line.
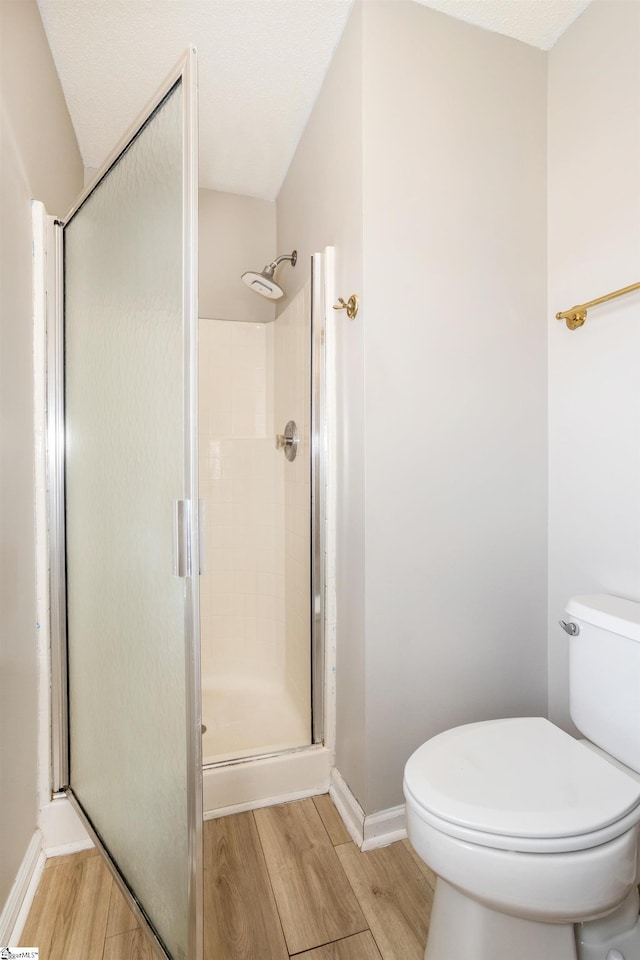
[(255, 618), (242, 591)]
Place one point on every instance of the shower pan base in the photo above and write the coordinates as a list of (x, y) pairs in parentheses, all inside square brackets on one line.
[(244, 720), (257, 749), (264, 781)]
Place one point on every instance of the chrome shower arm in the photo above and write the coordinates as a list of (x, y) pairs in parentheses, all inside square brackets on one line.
[(292, 257)]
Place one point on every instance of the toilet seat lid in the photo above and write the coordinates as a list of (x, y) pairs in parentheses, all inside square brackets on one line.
[(522, 777)]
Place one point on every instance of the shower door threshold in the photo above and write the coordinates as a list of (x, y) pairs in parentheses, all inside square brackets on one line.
[(246, 784)]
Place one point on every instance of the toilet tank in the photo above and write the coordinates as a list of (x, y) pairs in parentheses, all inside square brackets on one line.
[(604, 674)]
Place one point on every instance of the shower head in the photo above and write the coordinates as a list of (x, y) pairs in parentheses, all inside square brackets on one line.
[(263, 283)]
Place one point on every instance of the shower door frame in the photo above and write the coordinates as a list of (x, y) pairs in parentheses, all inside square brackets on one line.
[(188, 552), (317, 505)]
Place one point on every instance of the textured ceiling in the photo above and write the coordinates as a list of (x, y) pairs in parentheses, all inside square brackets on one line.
[(536, 22), (261, 66)]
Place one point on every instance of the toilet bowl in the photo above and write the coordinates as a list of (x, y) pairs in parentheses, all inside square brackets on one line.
[(529, 831), (534, 835)]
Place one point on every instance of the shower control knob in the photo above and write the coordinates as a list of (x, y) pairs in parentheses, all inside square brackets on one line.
[(288, 441)]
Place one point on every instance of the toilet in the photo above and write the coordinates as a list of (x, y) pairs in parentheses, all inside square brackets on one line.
[(533, 834)]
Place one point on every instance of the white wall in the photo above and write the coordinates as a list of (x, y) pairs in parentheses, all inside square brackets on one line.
[(320, 204), (235, 234), (426, 155), (39, 159), (454, 178), (594, 372)]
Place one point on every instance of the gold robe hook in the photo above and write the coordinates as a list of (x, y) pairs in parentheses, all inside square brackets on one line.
[(351, 306)]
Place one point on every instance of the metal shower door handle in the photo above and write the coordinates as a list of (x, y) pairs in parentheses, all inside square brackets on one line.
[(288, 441)]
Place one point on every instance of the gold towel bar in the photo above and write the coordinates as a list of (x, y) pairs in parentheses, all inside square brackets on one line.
[(576, 316)]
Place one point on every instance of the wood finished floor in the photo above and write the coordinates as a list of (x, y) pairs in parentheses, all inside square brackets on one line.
[(279, 882)]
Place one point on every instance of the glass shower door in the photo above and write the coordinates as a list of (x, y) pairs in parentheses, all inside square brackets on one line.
[(131, 534)]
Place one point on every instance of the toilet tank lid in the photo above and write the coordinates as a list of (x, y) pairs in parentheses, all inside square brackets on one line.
[(611, 613)]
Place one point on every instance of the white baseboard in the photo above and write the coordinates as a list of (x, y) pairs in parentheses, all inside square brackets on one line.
[(384, 827), (348, 807), (59, 832), (22, 892), (63, 849), (62, 831), (367, 831)]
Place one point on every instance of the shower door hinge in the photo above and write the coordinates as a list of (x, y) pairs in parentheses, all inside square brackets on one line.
[(182, 541)]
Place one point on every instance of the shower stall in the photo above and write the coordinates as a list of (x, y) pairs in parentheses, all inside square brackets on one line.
[(261, 414), (255, 613)]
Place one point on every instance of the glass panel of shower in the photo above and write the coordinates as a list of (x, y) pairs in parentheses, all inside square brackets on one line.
[(130, 334), (255, 379)]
